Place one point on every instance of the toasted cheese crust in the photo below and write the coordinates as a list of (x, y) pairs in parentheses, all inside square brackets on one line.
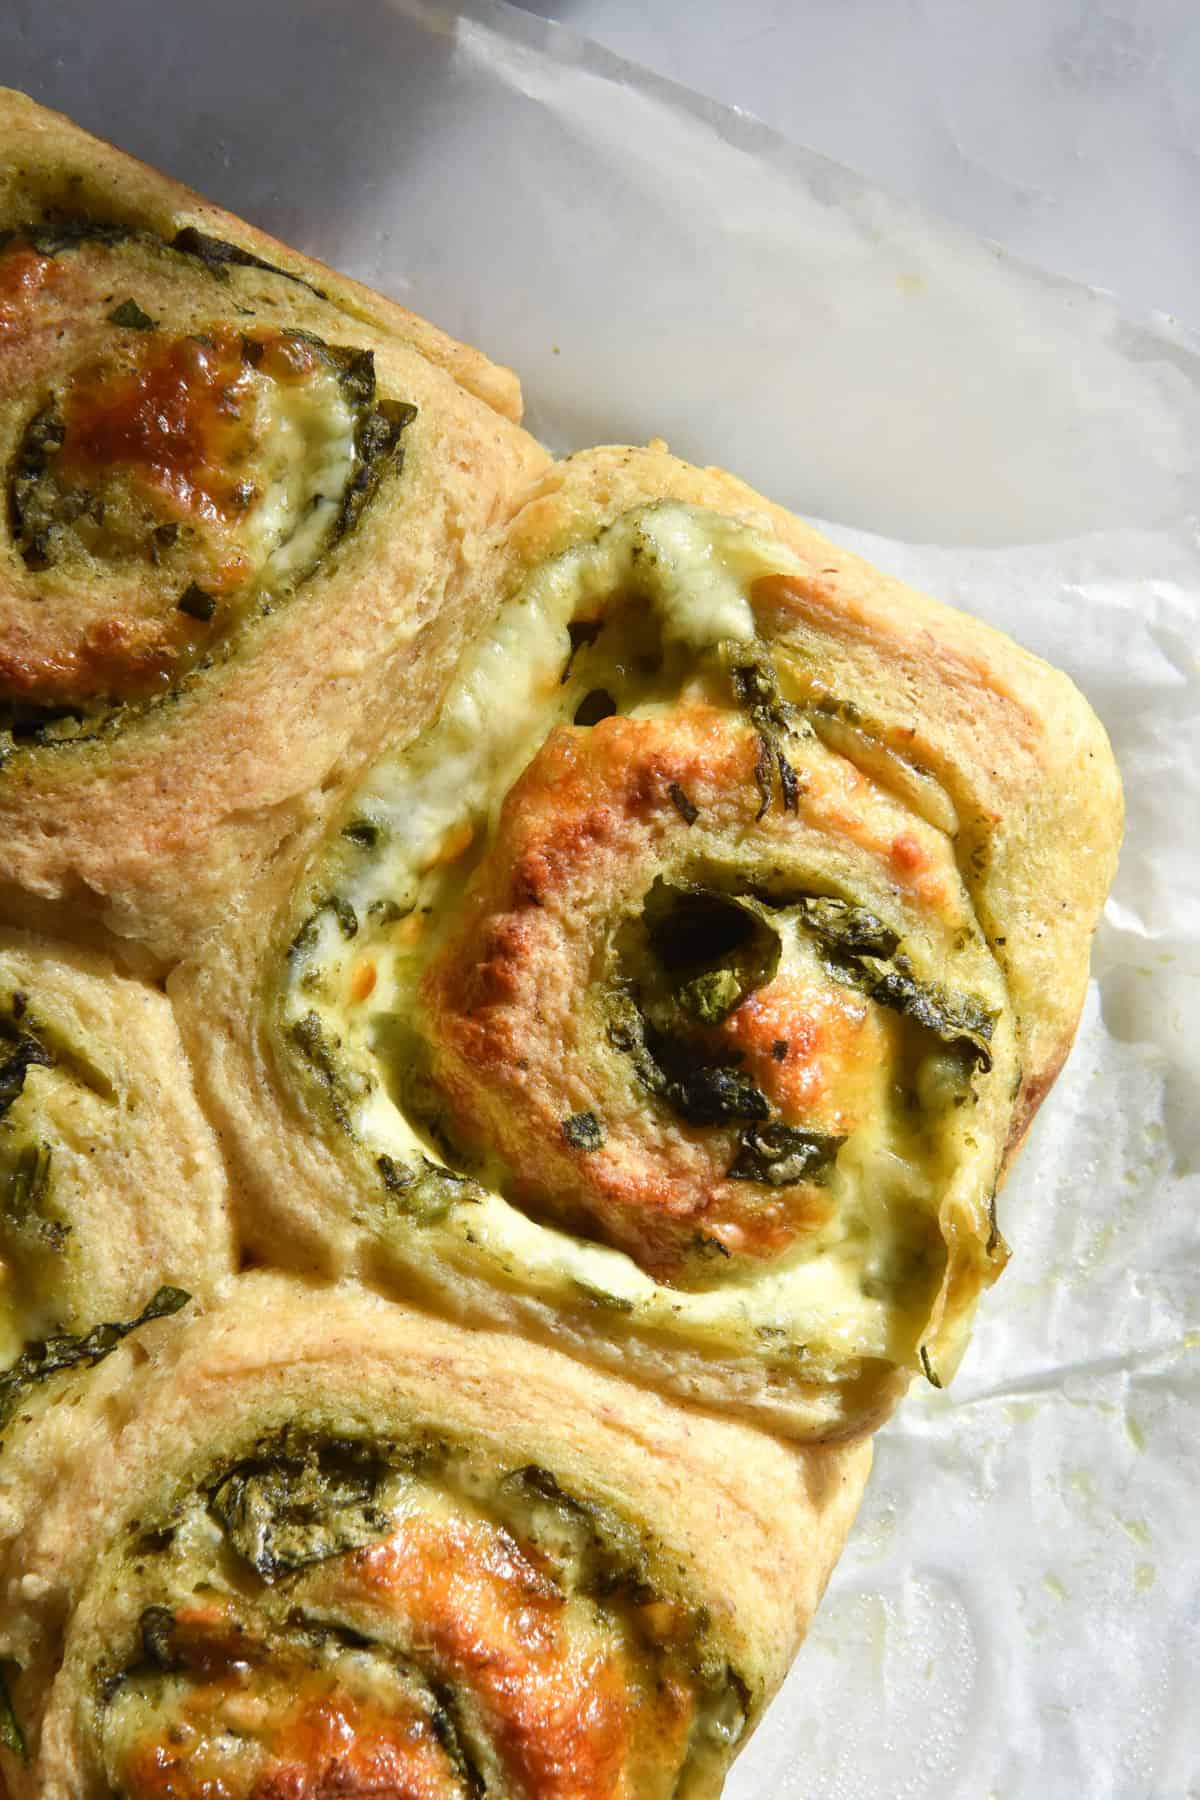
[(239, 493), (335, 1545), (666, 995)]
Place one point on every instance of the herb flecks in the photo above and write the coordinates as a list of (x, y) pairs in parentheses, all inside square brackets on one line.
[(756, 690), (687, 809), (15, 1063), (196, 603), (584, 1131), (860, 951), (284, 1511), (779, 1155), (130, 315), (49, 1356)]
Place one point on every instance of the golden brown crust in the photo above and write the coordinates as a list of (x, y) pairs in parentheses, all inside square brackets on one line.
[(213, 692), (739, 1525), (1012, 740), (965, 813), (50, 149)]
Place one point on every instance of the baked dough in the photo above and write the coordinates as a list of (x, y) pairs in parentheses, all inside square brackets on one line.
[(684, 992), (240, 491), (383, 1554), (113, 1201)]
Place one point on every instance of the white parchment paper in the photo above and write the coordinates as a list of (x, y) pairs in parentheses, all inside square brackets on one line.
[(1018, 1614)]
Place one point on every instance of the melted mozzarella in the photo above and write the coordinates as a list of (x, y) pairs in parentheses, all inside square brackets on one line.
[(863, 1287)]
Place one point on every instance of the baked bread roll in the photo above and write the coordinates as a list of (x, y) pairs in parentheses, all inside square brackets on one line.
[(240, 490), (334, 1546), (113, 1202), (684, 992)]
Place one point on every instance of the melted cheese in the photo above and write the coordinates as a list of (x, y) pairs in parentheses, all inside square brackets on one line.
[(465, 1651), (865, 1286)]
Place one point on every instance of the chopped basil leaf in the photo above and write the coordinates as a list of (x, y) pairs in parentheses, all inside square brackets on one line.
[(15, 1063), (130, 315), (218, 255), (196, 603), (756, 690), (840, 926), (860, 952), (583, 1131), (779, 1155), (49, 1356), (702, 1093), (686, 809), (397, 1176), (716, 1096), (283, 1511)]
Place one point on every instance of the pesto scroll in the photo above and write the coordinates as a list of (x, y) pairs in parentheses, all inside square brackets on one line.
[(686, 989), (342, 1548), (238, 491), (113, 1204)]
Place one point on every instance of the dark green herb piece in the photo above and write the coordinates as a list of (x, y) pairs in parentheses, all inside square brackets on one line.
[(345, 915), (437, 1190), (26, 1186), (196, 603), (597, 704), (218, 256), (850, 929), (16, 1061), (130, 315), (397, 1176), (716, 1096), (157, 1626), (11, 1735), (713, 996), (756, 690), (584, 1131), (363, 832), (53, 235), (49, 1356), (43, 438), (779, 1155), (308, 1035), (377, 443), (703, 1093), (601, 1298), (931, 1374), (284, 1511), (959, 1020), (861, 953), (686, 809)]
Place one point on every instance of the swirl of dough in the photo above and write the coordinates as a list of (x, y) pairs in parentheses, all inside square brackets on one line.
[(347, 1549), (113, 1203), (237, 495), (686, 988)]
